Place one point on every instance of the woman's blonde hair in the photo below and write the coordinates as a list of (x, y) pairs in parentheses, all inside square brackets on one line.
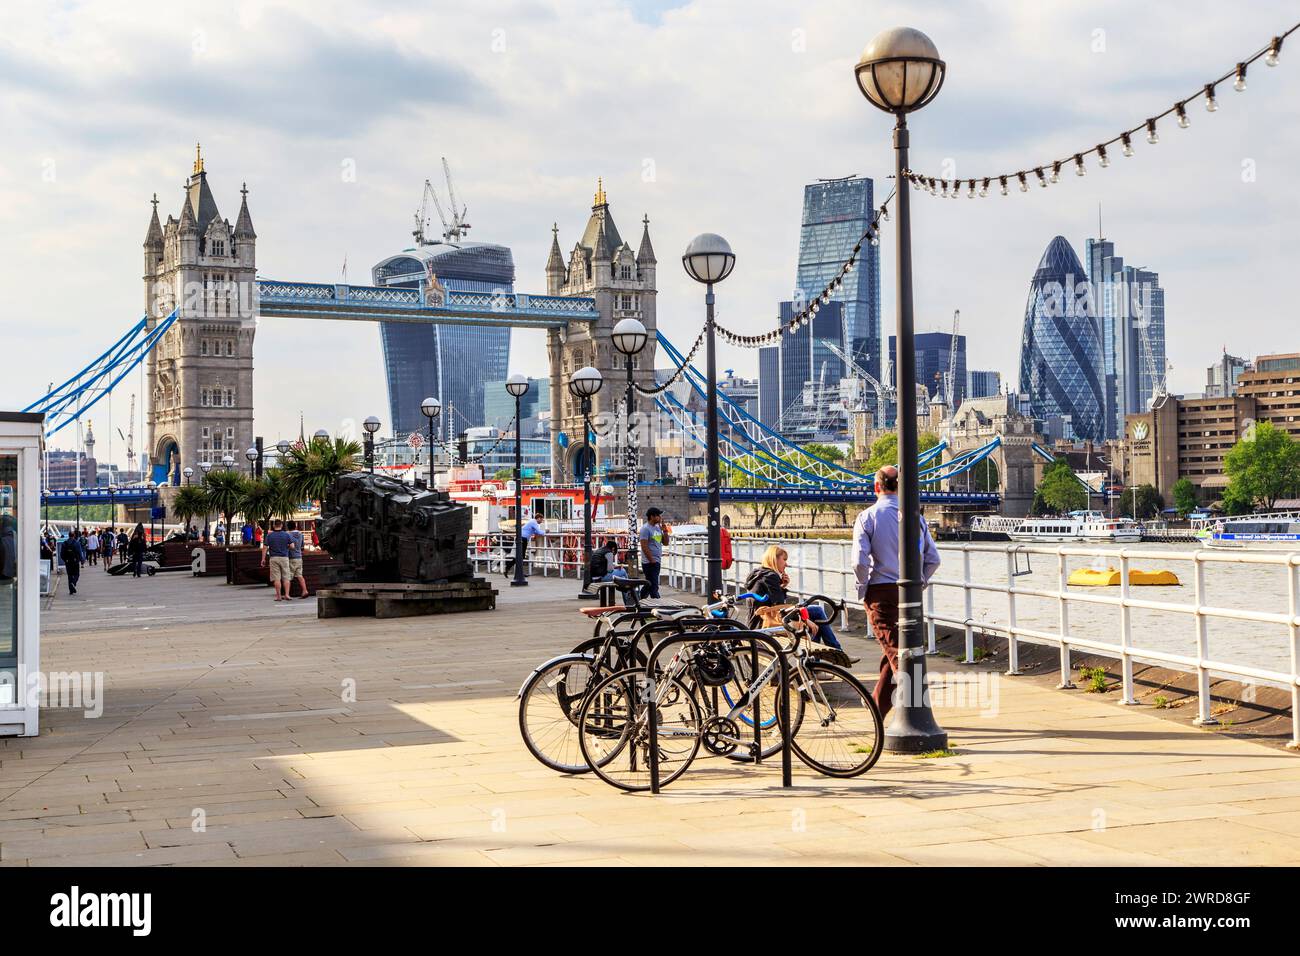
[(772, 553)]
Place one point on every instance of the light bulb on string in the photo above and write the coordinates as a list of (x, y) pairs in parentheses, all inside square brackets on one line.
[(1042, 180), (1024, 186), (1274, 49), (1211, 104), (1102, 159), (884, 213), (956, 188), (1183, 121), (1239, 84), (1056, 172), (1128, 144), (875, 240), (984, 188), (1003, 181), (971, 194), (1079, 168), (1152, 136)]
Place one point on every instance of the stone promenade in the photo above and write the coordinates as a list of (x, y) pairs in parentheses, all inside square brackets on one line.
[(363, 742)]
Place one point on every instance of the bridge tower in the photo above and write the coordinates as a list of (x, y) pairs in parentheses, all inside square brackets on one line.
[(200, 375), (603, 266)]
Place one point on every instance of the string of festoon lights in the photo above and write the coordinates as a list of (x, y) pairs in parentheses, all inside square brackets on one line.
[(476, 459), (871, 236), (1050, 172), (681, 370)]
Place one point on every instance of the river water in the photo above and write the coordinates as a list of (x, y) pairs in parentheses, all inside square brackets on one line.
[(1256, 587)]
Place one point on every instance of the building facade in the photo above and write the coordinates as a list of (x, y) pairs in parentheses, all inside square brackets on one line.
[(836, 212), (1184, 438), (499, 405), (600, 265), (1221, 377), (769, 386), (982, 384), (200, 374), (449, 362), (810, 403), (1060, 350), (1274, 384), (933, 351)]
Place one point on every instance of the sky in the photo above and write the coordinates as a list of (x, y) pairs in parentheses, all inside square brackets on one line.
[(707, 116)]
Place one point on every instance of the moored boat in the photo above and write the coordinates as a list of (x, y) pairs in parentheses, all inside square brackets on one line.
[(1091, 527)]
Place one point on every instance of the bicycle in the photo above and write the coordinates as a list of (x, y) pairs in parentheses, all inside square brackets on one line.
[(551, 696), (835, 727)]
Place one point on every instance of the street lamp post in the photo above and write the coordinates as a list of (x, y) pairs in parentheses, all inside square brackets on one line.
[(709, 259), (516, 385), (371, 425), (900, 71), (188, 473), (253, 455), (432, 408), (630, 337), (583, 384), (76, 493), (153, 506), (206, 466)]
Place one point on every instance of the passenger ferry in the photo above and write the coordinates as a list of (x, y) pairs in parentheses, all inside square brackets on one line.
[(1091, 527), (1265, 532)]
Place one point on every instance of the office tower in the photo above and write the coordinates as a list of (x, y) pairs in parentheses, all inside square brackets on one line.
[(836, 212), (1221, 377), (1128, 307), (449, 362), (933, 351), (769, 386), (811, 372), (499, 405), (982, 384), (1061, 363)]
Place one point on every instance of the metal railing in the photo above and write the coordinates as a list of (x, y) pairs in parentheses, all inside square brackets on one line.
[(557, 554), (826, 567)]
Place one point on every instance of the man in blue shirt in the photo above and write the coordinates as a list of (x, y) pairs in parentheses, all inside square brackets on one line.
[(652, 538), (875, 564), (275, 551), (532, 529)]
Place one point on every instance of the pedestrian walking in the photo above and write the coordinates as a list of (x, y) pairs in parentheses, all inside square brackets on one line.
[(875, 549), (107, 545), (92, 547), (72, 557), (651, 539)]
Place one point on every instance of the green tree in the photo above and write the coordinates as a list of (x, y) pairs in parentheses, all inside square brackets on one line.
[(1060, 490), (1141, 502), (503, 474), (884, 450), (226, 491), (190, 501), (1184, 496), (1262, 467), (309, 471), (267, 497)]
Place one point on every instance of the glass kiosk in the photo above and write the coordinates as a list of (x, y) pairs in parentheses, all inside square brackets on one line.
[(20, 625)]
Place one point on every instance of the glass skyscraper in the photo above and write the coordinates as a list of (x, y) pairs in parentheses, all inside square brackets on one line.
[(810, 372), (1129, 309), (769, 386), (1061, 365), (933, 350), (836, 212), (448, 362)]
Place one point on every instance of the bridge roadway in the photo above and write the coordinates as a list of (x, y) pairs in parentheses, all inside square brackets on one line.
[(220, 699), (318, 300)]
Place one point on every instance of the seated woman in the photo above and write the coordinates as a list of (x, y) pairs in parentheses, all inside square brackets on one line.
[(770, 581)]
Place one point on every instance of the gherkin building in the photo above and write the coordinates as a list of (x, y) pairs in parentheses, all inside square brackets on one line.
[(1060, 349)]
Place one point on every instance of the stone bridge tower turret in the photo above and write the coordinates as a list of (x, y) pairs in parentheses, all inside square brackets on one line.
[(200, 374), (601, 265)]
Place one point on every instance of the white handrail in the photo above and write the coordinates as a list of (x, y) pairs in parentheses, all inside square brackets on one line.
[(821, 561)]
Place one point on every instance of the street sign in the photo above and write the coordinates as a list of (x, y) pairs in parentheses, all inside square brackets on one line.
[(415, 440)]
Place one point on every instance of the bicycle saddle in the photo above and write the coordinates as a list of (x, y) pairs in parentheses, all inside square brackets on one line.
[(627, 584), (674, 613)]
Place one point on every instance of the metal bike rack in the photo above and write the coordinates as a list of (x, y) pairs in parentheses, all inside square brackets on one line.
[(730, 633)]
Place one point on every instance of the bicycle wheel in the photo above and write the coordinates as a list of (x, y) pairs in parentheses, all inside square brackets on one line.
[(768, 698), (614, 731), (841, 734), (548, 711)]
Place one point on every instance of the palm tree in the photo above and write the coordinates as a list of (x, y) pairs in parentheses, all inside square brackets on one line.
[(309, 471), (226, 490), (258, 502), (190, 500)]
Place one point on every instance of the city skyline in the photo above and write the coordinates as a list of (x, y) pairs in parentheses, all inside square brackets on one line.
[(411, 96)]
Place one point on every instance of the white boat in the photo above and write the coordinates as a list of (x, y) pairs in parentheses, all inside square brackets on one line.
[(1262, 532), (1091, 527)]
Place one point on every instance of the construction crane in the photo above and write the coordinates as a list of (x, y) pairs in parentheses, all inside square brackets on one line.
[(884, 393), (950, 383), (129, 437), (453, 230)]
